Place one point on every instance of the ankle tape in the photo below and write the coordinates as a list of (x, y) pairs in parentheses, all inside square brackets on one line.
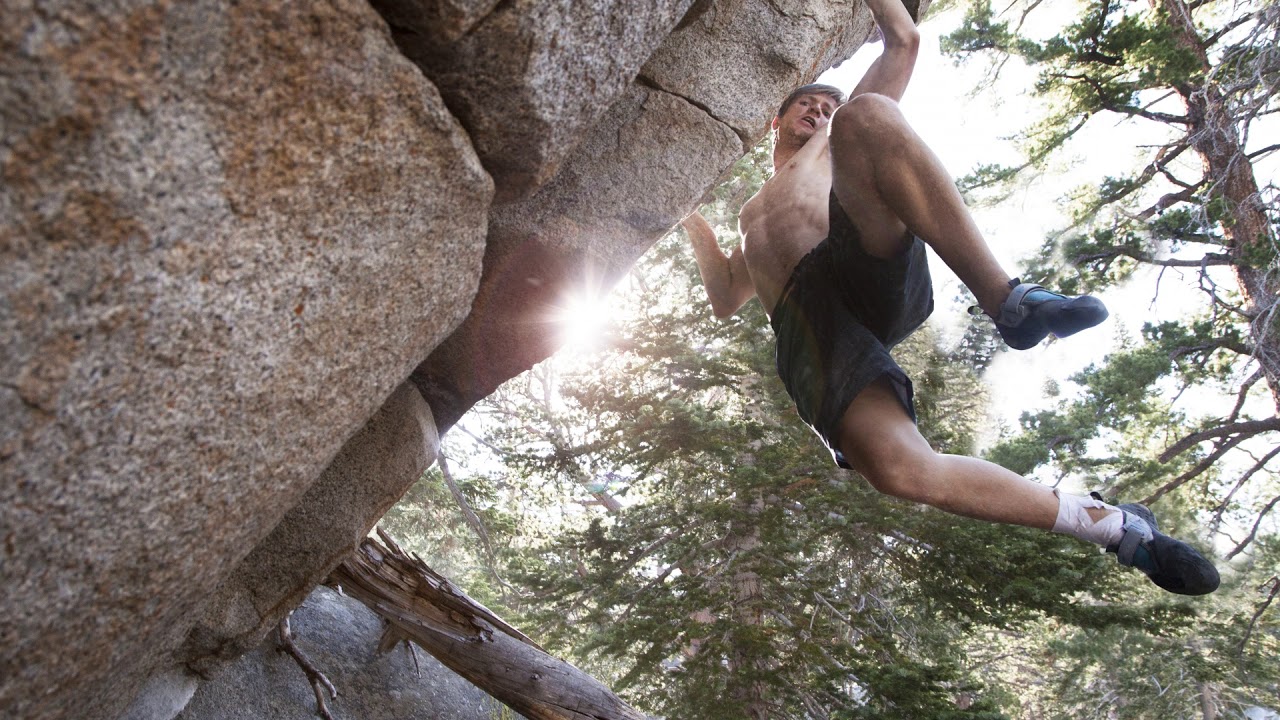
[(1074, 520)]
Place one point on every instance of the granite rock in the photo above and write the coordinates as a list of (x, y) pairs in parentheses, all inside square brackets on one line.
[(227, 234)]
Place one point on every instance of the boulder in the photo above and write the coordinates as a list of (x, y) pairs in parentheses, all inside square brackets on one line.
[(227, 234), (339, 636), (791, 43), (366, 478), (528, 78)]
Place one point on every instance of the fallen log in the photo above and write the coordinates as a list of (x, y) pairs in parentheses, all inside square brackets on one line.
[(424, 607)]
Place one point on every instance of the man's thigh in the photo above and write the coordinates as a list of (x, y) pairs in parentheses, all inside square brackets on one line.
[(876, 429), (853, 179)]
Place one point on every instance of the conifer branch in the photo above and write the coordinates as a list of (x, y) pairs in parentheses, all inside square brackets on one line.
[(1221, 343), (1242, 430), (1117, 251), (1106, 104)]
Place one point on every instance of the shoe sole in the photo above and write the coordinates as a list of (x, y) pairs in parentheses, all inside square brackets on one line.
[(1061, 318), (1179, 568)]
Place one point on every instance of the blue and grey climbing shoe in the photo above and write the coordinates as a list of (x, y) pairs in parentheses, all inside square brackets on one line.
[(1171, 564), (1031, 313)]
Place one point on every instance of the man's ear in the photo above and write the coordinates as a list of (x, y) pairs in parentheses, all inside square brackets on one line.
[(774, 125)]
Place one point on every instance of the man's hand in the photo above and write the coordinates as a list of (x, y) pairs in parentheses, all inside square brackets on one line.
[(724, 277)]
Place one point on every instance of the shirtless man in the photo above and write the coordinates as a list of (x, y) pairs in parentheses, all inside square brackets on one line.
[(833, 245)]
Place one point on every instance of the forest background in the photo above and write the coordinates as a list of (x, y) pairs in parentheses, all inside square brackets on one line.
[(648, 506)]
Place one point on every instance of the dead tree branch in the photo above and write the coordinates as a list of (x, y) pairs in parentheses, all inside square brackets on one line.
[(470, 640)]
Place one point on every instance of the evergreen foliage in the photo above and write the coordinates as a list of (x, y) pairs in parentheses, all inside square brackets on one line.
[(1186, 416)]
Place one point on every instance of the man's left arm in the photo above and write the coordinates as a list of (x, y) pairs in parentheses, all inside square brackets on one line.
[(891, 72)]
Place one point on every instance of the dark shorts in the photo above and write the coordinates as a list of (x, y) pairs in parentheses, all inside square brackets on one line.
[(840, 313)]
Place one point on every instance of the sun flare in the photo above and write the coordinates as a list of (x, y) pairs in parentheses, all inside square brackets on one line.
[(582, 320)]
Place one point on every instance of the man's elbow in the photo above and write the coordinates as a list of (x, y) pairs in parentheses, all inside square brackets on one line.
[(906, 40), (723, 310)]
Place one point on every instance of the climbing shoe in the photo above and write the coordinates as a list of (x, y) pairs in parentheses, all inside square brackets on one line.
[(1031, 313), (1171, 564)]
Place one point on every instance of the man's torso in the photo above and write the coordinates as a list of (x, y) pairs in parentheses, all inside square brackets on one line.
[(787, 219)]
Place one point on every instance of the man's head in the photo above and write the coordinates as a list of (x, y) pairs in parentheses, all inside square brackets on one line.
[(809, 108), (830, 91)]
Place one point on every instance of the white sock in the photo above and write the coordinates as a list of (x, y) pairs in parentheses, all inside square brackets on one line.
[(1073, 519)]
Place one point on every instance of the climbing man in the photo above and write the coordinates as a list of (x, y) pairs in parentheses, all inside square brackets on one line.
[(833, 245)]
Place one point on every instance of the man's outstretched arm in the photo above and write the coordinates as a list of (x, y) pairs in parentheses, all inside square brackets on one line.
[(891, 72), (724, 276)]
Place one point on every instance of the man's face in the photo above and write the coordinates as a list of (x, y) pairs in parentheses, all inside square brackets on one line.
[(806, 116)]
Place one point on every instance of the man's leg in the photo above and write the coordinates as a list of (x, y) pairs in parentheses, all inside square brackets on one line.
[(889, 181), (880, 441)]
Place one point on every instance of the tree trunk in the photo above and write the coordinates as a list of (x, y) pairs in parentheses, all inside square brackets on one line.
[(1208, 702), (426, 608), (1230, 177), (742, 542)]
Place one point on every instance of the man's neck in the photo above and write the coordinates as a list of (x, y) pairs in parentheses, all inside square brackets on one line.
[(782, 152)]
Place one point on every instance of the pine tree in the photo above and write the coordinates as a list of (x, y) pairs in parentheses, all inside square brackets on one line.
[(1198, 76)]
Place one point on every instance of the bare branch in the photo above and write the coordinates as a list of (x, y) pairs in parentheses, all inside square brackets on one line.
[(319, 683), (468, 514), (1196, 471), (1264, 151), (1253, 533), (1170, 199), (1244, 478), (1243, 393), (1275, 590)]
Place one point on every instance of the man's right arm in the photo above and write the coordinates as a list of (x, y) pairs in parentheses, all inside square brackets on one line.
[(724, 276), (891, 72)]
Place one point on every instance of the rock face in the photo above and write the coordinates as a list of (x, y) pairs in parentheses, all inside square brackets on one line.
[(229, 233), (351, 495), (635, 174), (580, 233), (339, 635), (794, 42), (527, 77)]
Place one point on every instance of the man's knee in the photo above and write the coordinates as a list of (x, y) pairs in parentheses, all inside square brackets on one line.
[(901, 469), (905, 480), (864, 119)]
